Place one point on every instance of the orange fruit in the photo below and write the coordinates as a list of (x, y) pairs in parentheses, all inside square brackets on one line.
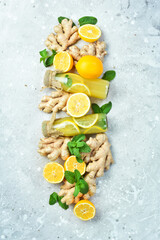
[(89, 32), (63, 61), (89, 67), (78, 104), (85, 210), (71, 164), (53, 172)]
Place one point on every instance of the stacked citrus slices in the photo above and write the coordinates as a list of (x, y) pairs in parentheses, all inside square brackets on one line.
[(89, 67)]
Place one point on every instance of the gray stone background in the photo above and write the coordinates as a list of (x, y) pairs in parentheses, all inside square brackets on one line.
[(128, 196)]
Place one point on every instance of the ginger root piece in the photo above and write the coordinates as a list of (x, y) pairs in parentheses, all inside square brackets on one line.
[(67, 191), (54, 147), (54, 103), (100, 157), (94, 49), (66, 35)]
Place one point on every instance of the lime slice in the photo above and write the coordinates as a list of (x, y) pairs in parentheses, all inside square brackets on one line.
[(79, 88), (68, 128), (86, 121), (93, 130)]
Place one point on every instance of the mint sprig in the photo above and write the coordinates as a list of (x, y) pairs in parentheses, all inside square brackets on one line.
[(77, 145), (87, 20), (54, 198), (69, 81), (46, 58), (75, 177), (109, 75), (103, 109)]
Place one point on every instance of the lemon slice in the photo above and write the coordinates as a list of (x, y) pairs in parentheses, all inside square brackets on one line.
[(68, 128), (78, 105), (63, 61), (94, 129), (53, 172), (85, 210), (89, 32), (71, 164), (86, 121), (79, 88)]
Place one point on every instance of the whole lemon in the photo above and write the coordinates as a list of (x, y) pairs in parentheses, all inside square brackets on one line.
[(89, 67)]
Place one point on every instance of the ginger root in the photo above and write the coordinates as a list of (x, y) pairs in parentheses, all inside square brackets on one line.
[(94, 49), (54, 147), (66, 35), (54, 103), (100, 157)]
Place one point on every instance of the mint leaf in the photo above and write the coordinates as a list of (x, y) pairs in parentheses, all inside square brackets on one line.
[(87, 20), (106, 107), (84, 188), (44, 53), (61, 18), (77, 175), (69, 176), (85, 148), (53, 198), (96, 108), (102, 122), (79, 159), (69, 81), (76, 152), (78, 138), (63, 205), (109, 75), (49, 61), (77, 190), (72, 144), (80, 144)]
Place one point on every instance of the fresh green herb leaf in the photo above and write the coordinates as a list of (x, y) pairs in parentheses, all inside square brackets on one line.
[(96, 108), (47, 60), (63, 205), (80, 144), (53, 198), (106, 107), (83, 186), (79, 159), (72, 144), (78, 138), (44, 53), (61, 18), (87, 20), (85, 148), (109, 75), (77, 190), (77, 175), (76, 152), (102, 122), (69, 176), (69, 81)]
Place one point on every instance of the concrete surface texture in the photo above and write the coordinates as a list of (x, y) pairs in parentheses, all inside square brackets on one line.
[(128, 195)]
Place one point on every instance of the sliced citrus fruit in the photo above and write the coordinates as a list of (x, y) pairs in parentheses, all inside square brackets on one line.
[(89, 32), (94, 129), (89, 67), (71, 164), (79, 88), (67, 127), (53, 172), (78, 105), (85, 210), (63, 61), (86, 121)]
